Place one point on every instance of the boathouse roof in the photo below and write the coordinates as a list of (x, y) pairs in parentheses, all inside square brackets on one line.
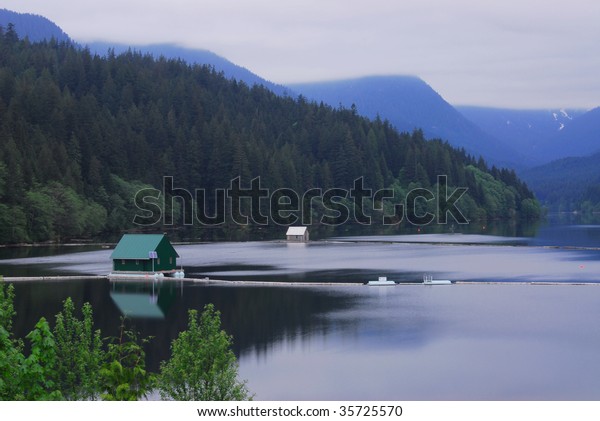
[(139, 246)]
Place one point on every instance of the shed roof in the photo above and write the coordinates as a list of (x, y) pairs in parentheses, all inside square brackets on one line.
[(296, 231), (138, 246)]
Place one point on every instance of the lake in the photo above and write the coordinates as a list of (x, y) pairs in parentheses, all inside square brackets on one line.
[(499, 340)]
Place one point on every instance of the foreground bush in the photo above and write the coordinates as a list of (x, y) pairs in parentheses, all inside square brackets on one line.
[(72, 362), (202, 365)]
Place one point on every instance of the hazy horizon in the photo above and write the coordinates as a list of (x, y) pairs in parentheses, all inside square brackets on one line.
[(520, 55)]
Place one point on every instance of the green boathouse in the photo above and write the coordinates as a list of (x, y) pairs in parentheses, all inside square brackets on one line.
[(144, 253)]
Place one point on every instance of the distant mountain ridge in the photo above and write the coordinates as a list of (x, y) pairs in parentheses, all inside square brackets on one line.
[(541, 135), (563, 183), (506, 137), (580, 138), (35, 27), (38, 28), (409, 103)]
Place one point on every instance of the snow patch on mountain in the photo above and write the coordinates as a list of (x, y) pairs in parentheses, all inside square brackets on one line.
[(565, 114)]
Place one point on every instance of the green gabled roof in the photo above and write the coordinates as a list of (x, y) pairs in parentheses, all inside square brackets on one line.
[(138, 246)]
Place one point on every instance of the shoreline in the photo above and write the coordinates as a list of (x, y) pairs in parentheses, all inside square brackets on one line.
[(510, 242)]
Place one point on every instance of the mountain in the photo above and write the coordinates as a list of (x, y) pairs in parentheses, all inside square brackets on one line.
[(540, 135), (527, 131), (516, 138), (580, 138), (562, 149), (410, 103), (34, 27), (192, 56), (97, 145), (39, 28), (564, 183), (407, 102)]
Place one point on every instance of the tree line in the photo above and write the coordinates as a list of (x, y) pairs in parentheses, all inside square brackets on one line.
[(81, 133)]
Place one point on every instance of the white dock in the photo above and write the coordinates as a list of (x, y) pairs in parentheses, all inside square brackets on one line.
[(382, 281)]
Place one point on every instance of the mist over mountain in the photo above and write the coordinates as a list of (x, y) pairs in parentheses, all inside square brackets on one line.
[(507, 137), (38, 28), (409, 103), (35, 27)]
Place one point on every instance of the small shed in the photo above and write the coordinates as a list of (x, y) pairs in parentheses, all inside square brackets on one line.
[(144, 253), (297, 234)]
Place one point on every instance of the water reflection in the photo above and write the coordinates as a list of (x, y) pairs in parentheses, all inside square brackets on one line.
[(461, 342), (358, 342), (137, 300), (256, 316)]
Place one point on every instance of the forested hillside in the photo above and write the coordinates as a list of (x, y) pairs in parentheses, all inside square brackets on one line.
[(81, 134), (192, 56), (567, 184), (408, 102)]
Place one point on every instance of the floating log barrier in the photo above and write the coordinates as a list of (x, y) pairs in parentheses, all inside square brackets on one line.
[(52, 278), (210, 281)]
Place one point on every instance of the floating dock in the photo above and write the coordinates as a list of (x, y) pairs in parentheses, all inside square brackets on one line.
[(381, 281)]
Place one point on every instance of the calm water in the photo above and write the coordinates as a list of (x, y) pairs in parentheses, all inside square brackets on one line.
[(465, 341), (461, 342)]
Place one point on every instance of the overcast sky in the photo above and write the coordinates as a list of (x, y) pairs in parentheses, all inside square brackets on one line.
[(509, 53)]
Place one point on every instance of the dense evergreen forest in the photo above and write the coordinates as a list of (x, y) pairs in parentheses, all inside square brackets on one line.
[(80, 134), (568, 185)]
